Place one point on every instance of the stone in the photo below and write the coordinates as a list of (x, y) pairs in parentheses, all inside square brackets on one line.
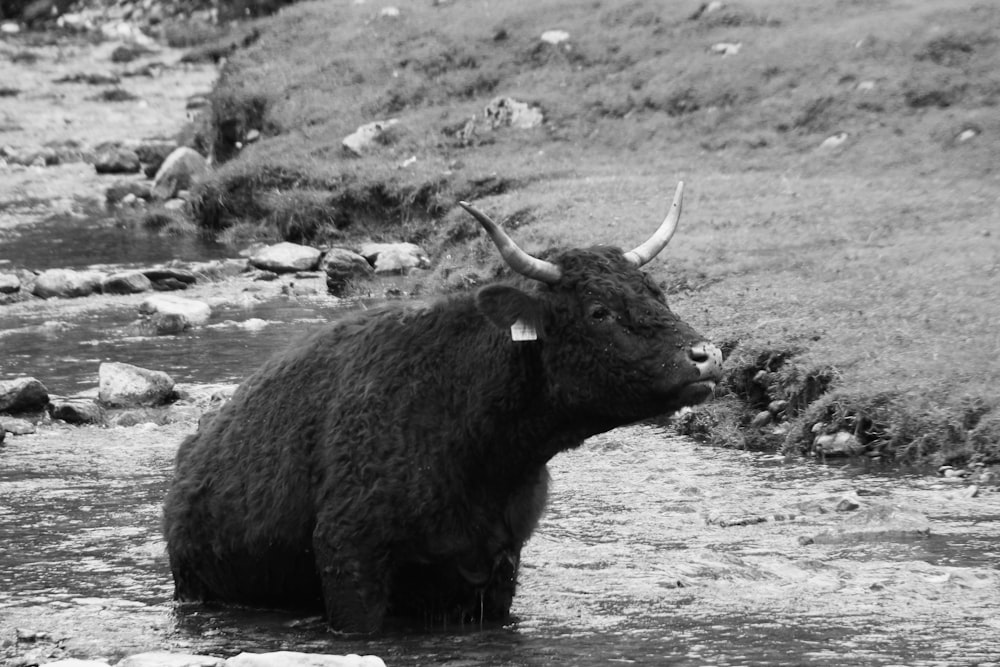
[(762, 419), (840, 443), (360, 141), (196, 312), (219, 269), (165, 659), (395, 257), (295, 659), (24, 394), (9, 283), (847, 505), (286, 257), (66, 283), (126, 282), (77, 411), (508, 112), (833, 141), (178, 172), (167, 324), (76, 662), (159, 274), (555, 36), (123, 189), (16, 426), (126, 386), (727, 48), (116, 159), (343, 267), (777, 407), (152, 155)]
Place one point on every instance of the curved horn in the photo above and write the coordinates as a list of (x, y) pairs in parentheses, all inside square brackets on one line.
[(651, 248), (518, 260)]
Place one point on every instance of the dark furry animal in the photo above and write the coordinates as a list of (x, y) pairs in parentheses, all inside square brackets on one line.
[(394, 462)]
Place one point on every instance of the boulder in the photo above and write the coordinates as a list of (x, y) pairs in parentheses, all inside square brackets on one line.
[(508, 112), (343, 267), (23, 395), (66, 283), (195, 312), (361, 140), (841, 443), (168, 278), (77, 411), (9, 283), (165, 659), (126, 386), (152, 155), (116, 159), (395, 257), (178, 172), (126, 282), (286, 257), (294, 659), (166, 324)]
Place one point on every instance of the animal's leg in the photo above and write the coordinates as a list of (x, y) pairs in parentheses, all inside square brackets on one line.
[(355, 581)]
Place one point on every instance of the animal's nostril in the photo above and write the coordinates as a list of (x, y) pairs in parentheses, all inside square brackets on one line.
[(698, 353)]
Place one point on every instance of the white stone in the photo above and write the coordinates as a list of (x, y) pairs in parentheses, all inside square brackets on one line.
[(727, 48), (555, 36), (395, 257), (295, 659), (125, 385), (10, 28), (165, 659), (866, 86), (389, 12), (503, 111), (834, 141), (966, 134), (9, 283), (286, 257), (196, 312), (66, 283), (359, 141), (76, 662)]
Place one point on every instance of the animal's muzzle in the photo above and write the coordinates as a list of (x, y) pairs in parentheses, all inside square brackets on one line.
[(707, 358)]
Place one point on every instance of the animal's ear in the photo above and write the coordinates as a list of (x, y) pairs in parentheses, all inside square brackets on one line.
[(510, 308)]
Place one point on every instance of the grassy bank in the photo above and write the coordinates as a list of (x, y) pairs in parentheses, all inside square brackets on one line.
[(854, 280)]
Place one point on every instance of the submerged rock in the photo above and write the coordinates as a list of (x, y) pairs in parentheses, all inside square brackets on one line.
[(77, 411), (195, 312), (879, 523)]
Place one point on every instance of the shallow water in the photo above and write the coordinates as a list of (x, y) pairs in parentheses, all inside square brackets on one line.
[(629, 564)]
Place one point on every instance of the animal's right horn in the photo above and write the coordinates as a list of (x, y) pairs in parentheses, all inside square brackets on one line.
[(661, 236), (518, 260)]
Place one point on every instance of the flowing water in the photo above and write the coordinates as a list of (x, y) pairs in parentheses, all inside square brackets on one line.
[(654, 550)]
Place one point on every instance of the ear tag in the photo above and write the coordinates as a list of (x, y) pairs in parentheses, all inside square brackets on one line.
[(521, 331)]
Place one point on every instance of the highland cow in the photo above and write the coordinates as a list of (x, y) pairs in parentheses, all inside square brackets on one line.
[(394, 463)]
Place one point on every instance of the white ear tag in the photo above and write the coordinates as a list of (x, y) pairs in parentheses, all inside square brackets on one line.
[(521, 330)]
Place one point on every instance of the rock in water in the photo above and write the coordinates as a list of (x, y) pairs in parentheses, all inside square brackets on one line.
[(286, 257), (177, 172), (125, 385)]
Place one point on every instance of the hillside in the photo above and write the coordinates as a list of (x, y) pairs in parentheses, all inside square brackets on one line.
[(840, 227)]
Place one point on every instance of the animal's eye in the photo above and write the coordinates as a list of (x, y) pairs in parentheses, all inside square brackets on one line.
[(599, 313)]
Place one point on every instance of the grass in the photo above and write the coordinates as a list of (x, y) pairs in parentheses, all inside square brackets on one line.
[(869, 269)]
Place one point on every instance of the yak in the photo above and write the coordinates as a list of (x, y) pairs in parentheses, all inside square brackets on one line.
[(393, 463)]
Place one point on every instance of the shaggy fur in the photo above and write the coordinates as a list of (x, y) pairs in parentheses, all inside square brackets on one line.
[(394, 462)]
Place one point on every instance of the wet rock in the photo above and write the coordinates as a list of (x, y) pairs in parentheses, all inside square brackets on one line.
[(126, 53), (23, 395), (286, 258), (847, 505), (178, 172), (879, 523), (294, 659), (90, 78), (196, 312), (220, 269), (395, 257), (66, 283), (127, 282), (125, 385), (169, 324), (508, 112), (343, 267), (9, 283), (840, 443), (165, 279), (165, 659), (77, 411), (116, 159), (16, 426), (122, 189), (362, 139), (762, 419)]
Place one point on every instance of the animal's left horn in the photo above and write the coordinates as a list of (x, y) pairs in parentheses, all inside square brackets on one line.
[(518, 260), (661, 236)]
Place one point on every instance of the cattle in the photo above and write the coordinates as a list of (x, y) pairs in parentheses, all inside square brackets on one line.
[(393, 463)]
